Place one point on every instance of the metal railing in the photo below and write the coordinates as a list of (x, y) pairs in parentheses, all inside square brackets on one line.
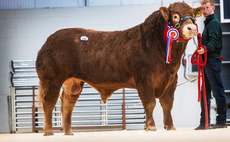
[(89, 112)]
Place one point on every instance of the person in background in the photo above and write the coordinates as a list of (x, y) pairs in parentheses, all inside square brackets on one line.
[(212, 40)]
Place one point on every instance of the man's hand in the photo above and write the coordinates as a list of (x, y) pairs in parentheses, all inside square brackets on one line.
[(200, 51)]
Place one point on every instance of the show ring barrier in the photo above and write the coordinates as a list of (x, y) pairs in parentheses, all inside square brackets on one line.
[(89, 112)]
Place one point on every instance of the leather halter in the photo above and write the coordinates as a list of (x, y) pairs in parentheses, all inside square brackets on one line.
[(172, 33), (177, 25)]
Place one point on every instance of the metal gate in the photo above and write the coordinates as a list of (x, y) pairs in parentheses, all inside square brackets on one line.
[(89, 111), (225, 54)]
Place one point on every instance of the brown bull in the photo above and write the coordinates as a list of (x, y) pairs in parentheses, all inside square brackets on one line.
[(107, 61)]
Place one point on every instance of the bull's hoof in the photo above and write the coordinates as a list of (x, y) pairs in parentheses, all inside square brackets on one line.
[(48, 134), (152, 128), (168, 128), (69, 134)]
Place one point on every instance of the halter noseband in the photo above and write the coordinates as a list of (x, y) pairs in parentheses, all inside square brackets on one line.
[(184, 19)]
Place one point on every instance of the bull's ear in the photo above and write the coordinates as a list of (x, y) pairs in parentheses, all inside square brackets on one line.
[(165, 12), (199, 11)]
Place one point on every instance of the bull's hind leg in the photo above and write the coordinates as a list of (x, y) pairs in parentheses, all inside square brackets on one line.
[(70, 94), (48, 95), (147, 97), (167, 104)]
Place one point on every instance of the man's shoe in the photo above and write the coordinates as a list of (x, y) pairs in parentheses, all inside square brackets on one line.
[(219, 126), (200, 127)]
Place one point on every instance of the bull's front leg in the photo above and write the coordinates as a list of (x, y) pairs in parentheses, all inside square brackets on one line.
[(147, 96), (166, 102)]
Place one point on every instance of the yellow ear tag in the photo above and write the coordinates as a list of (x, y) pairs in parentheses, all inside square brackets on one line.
[(198, 14), (166, 16)]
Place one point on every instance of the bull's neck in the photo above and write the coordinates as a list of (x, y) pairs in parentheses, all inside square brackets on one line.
[(153, 29), (178, 49)]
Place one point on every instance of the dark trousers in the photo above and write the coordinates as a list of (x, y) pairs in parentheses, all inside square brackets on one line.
[(214, 83)]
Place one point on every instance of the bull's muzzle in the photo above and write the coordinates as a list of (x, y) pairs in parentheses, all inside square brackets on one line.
[(190, 30)]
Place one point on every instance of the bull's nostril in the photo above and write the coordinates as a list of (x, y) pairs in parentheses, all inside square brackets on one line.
[(189, 29)]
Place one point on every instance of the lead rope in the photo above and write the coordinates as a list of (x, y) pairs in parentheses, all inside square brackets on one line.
[(199, 61)]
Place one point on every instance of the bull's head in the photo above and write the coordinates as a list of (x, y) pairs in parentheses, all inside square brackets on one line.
[(182, 16)]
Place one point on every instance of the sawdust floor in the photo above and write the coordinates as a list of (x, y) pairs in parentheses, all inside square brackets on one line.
[(180, 135)]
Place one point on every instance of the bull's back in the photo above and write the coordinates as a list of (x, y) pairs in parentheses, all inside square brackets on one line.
[(85, 54)]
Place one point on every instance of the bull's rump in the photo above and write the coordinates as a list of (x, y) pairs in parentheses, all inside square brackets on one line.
[(98, 60)]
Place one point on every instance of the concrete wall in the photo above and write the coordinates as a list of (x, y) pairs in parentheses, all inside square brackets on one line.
[(33, 4), (23, 32)]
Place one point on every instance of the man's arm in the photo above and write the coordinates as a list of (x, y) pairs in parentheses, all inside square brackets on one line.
[(214, 31)]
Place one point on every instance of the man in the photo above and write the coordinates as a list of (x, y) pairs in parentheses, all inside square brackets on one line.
[(212, 40)]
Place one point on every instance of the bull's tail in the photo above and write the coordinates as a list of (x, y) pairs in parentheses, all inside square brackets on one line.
[(41, 94)]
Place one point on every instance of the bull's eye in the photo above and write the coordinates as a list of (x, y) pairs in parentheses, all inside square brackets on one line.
[(176, 17)]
